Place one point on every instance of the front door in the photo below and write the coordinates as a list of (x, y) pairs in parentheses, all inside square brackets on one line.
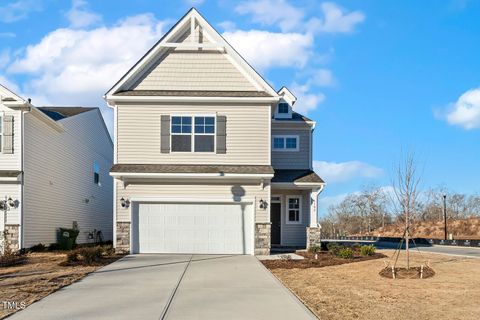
[(275, 216)]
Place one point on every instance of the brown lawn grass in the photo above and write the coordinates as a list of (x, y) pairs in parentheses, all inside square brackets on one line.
[(357, 291), (39, 277)]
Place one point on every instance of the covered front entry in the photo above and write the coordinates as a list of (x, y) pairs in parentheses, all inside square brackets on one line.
[(200, 228)]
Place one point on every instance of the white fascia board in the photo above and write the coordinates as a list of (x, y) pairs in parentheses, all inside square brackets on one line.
[(190, 175), (297, 185), (112, 100)]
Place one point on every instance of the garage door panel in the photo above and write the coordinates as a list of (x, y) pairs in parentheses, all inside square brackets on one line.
[(193, 228)]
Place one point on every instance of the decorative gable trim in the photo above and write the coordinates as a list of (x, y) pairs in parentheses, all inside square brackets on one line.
[(166, 43)]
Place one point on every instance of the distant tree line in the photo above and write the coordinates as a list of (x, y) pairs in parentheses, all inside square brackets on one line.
[(372, 208)]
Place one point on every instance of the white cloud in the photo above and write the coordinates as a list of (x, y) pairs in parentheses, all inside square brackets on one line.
[(7, 35), (288, 17), (272, 12), (76, 67), (227, 25), (325, 202), (9, 85), (306, 100), (322, 78), (80, 17), (343, 171), (18, 10), (465, 112), (264, 49), (335, 20)]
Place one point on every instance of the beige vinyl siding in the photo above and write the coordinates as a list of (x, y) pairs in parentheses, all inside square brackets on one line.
[(293, 159), (191, 192), (194, 70), (11, 189), (59, 186), (294, 234), (248, 136), (12, 161)]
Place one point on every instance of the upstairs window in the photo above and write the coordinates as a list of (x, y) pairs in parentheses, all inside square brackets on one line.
[(283, 108), (200, 139), (96, 173), (285, 143)]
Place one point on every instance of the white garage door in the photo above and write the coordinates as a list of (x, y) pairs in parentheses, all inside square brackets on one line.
[(192, 228)]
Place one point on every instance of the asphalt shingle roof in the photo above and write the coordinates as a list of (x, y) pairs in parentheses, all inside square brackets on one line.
[(184, 168), (59, 113), (289, 175)]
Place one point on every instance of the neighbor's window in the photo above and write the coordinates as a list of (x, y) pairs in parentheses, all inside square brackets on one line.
[(285, 143), (293, 210), (201, 139), (283, 107), (96, 173)]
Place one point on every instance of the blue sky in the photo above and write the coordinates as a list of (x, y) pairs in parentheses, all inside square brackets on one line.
[(377, 76)]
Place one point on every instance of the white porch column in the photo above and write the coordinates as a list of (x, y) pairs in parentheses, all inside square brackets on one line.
[(313, 207)]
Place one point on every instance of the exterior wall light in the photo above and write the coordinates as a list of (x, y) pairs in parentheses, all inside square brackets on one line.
[(125, 203), (263, 204)]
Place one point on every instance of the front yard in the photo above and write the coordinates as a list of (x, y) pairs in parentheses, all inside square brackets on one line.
[(42, 274), (356, 291)]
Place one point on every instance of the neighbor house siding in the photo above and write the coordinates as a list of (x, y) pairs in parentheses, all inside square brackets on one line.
[(12, 161), (59, 186), (248, 136), (293, 159), (294, 234), (229, 192)]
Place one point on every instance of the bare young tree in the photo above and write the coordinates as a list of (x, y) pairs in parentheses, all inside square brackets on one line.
[(406, 192)]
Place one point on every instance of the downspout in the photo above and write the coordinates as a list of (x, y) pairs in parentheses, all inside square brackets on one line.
[(22, 184)]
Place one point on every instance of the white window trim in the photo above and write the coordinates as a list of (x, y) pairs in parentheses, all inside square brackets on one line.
[(300, 209), (279, 115), (284, 149), (192, 134)]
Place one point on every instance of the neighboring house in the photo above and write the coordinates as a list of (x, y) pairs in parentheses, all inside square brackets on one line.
[(209, 158), (54, 164)]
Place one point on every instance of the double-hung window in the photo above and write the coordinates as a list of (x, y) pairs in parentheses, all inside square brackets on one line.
[(96, 173), (193, 133), (294, 210), (285, 143)]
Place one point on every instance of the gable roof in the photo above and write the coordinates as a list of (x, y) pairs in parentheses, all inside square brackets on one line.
[(168, 44), (7, 95), (296, 176), (59, 113)]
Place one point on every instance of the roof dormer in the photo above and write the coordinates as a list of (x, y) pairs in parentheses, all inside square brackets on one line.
[(284, 106)]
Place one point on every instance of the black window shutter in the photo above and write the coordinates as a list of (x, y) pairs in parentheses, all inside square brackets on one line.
[(165, 134), (221, 134)]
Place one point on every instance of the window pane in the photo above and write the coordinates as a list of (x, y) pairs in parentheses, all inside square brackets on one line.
[(283, 108), (209, 129), (278, 143), (186, 128), (199, 120), (176, 129), (204, 143), (176, 120), (210, 120), (293, 215), (294, 203), (291, 143), (199, 128), (181, 143), (186, 120)]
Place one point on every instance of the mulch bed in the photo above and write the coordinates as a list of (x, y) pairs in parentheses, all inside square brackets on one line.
[(325, 259), (412, 273)]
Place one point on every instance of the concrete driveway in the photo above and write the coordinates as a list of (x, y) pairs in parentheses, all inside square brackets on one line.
[(173, 287)]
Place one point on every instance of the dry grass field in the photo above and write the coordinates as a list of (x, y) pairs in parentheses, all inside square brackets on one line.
[(356, 291)]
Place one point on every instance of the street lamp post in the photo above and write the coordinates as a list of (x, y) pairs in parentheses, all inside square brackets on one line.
[(445, 214)]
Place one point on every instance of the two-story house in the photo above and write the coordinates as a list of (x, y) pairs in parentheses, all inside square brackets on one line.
[(209, 158), (54, 172)]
